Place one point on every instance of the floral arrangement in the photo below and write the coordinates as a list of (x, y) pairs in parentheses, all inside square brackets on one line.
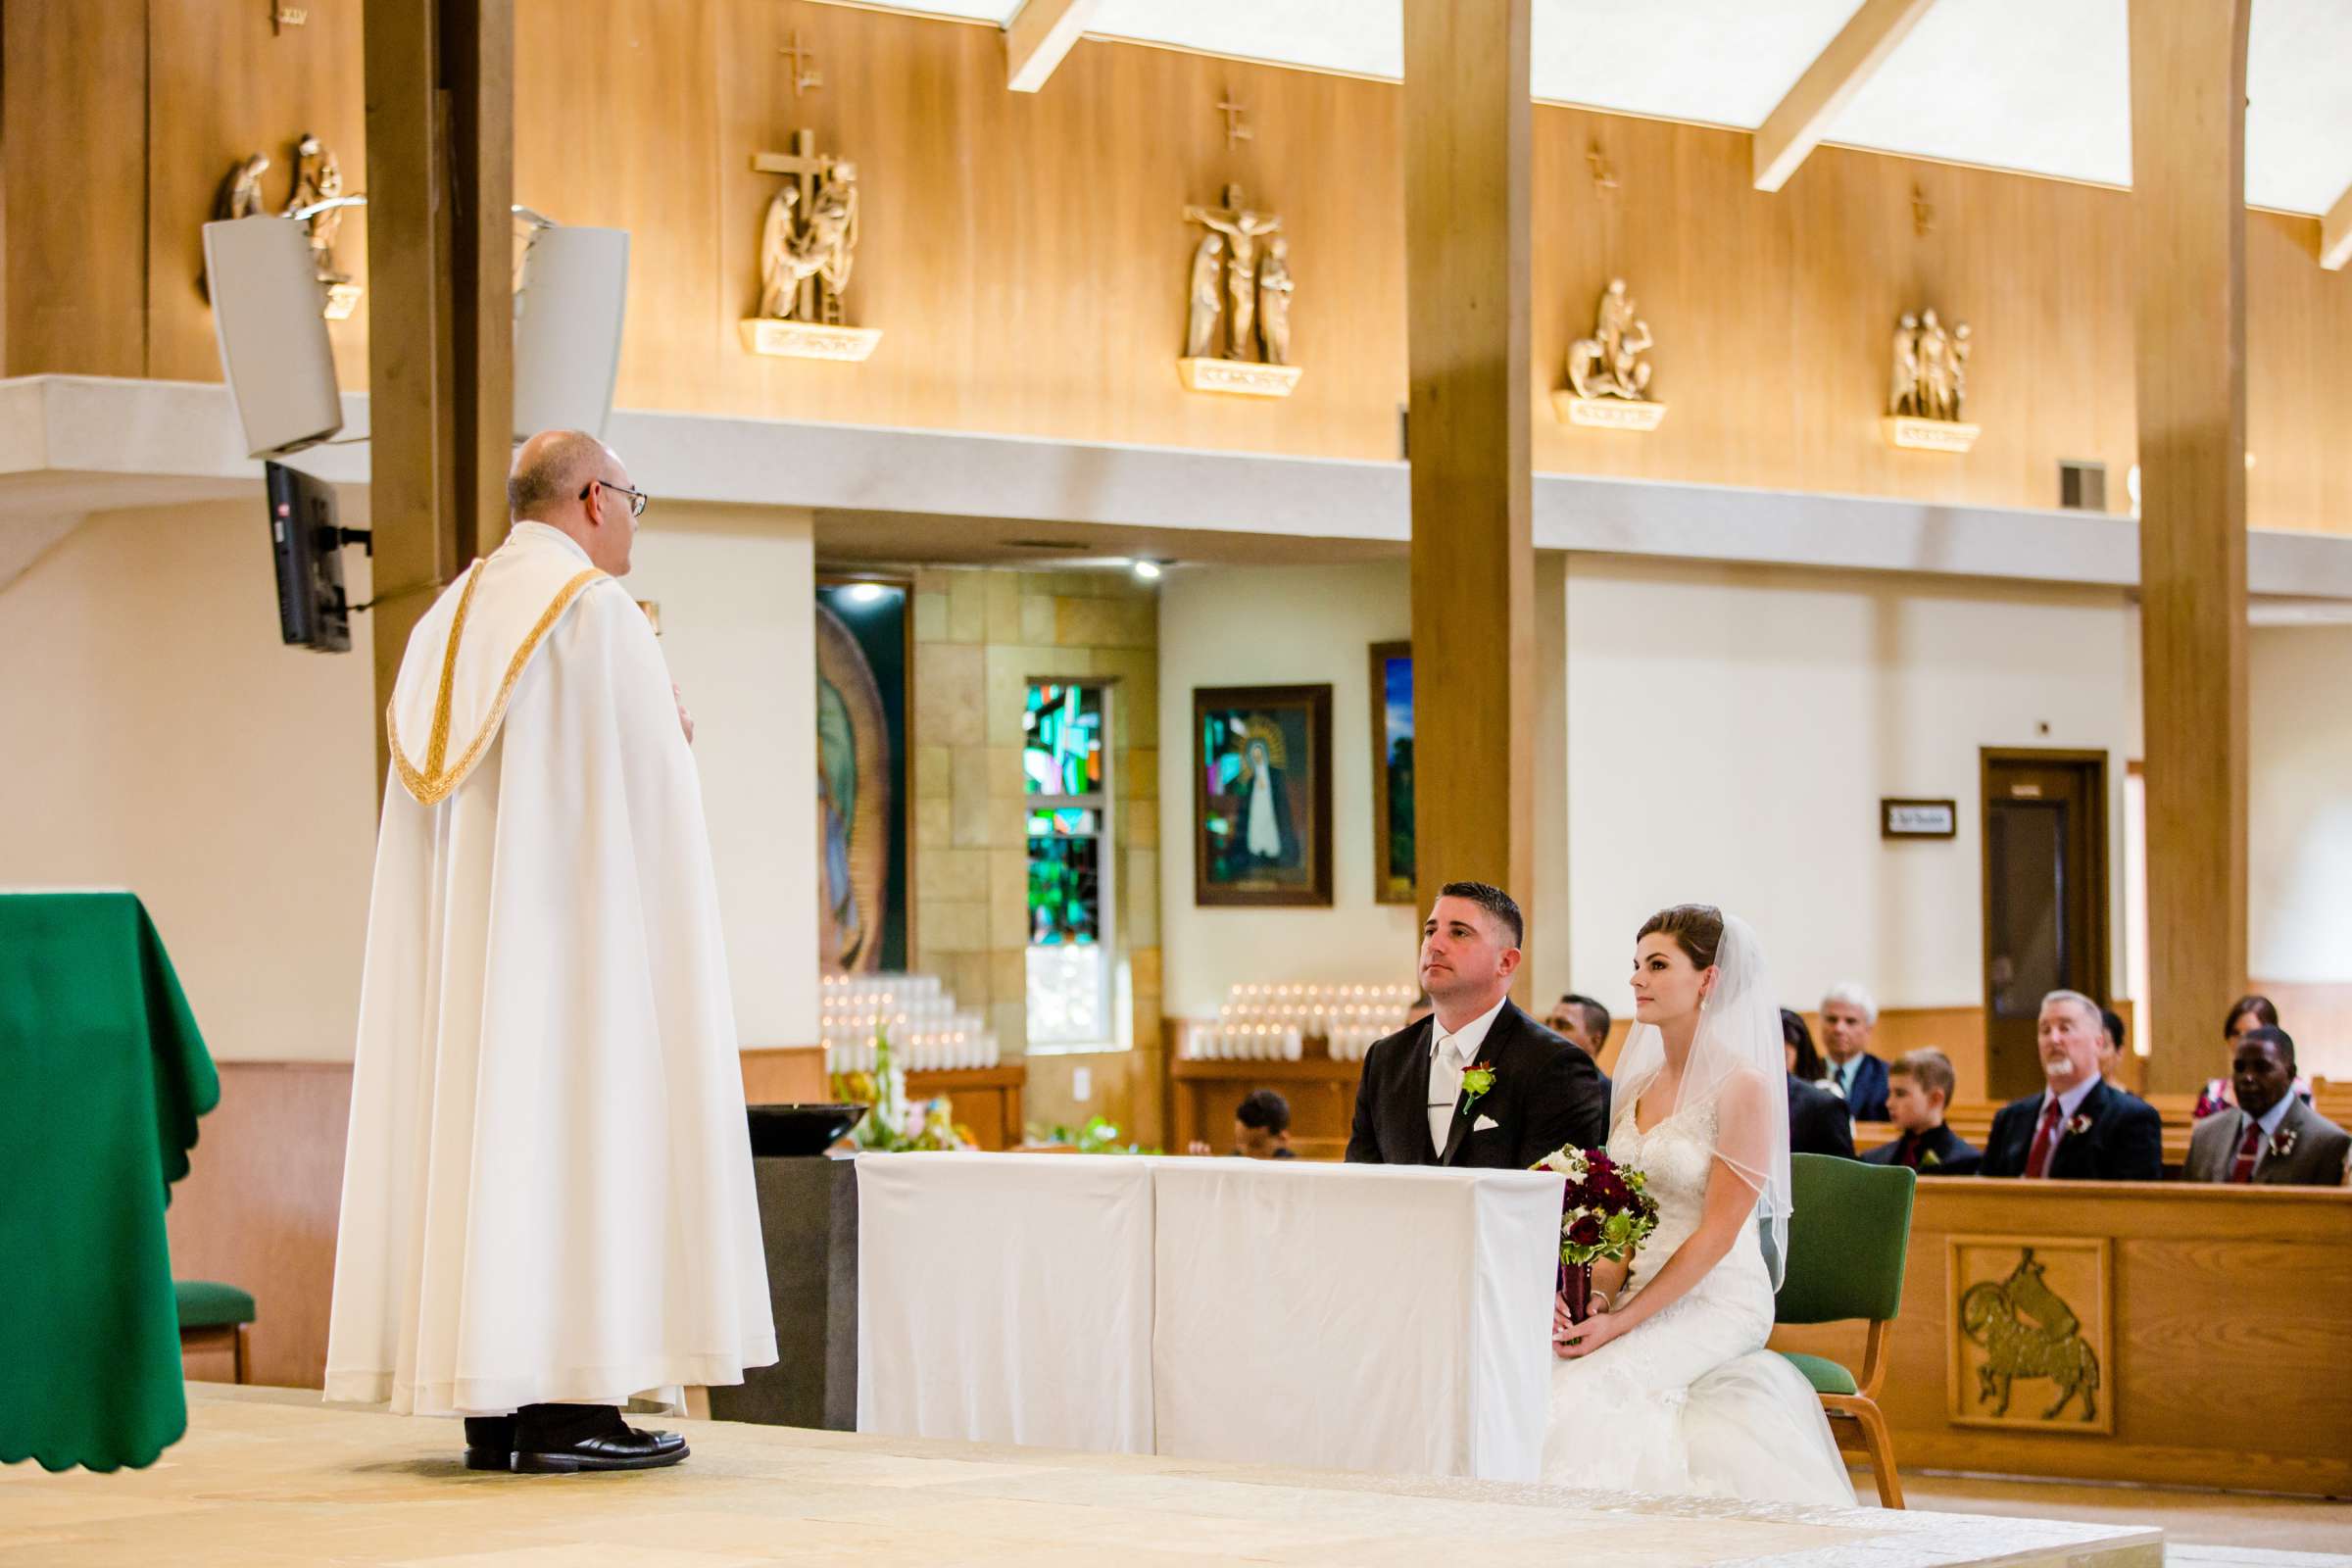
[(893, 1124), (1607, 1211), (1099, 1136)]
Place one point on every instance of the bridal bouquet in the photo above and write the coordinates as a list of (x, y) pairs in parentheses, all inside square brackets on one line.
[(1606, 1212)]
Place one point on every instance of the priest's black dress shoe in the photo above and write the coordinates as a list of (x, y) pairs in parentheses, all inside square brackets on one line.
[(626, 1449), (489, 1443)]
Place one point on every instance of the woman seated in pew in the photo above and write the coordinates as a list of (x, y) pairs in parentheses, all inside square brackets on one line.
[(1817, 1120), (2268, 1135), (2253, 1011), (1919, 1085)]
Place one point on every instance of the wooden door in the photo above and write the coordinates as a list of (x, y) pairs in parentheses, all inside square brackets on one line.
[(2045, 898)]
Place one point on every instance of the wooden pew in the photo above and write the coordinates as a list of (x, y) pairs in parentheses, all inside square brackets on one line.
[(2216, 1317)]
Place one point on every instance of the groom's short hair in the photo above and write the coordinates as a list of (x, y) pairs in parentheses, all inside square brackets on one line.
[(1491, 898)]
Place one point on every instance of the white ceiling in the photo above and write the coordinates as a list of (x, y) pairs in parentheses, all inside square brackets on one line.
[(2039, 85)]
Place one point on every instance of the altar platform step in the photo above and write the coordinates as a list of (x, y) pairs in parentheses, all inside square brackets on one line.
[(273, 1477)]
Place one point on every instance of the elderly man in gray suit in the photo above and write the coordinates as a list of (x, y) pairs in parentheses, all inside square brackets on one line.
[(2271, 1136)]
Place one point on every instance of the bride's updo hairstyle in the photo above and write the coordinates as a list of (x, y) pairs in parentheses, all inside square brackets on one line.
[(1696, 929)]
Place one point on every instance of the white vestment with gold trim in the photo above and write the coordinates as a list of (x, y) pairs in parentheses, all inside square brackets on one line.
[(547, 1193)]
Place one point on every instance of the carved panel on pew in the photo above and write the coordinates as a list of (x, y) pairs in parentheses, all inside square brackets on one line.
[(2227, 1359)]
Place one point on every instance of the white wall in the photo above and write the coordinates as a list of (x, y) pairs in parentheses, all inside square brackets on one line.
[(737, 588), (2299, 873), (1732, 731), (1267, 627), (159, 737)]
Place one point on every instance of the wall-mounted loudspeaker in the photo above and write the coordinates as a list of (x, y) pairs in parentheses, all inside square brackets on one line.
[(274, 345), (567, 320)]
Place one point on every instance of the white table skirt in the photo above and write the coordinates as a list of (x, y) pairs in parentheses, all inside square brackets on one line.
[(1355, 1317), (1381, 1318), (1005, 1298)]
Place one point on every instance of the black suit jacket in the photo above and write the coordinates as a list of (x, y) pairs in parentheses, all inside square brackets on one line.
[(1546, 1093), (1817, 1121), (1954, 1154), (2124, 1143)]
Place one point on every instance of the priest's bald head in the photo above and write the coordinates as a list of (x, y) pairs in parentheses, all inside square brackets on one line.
[(571, 481)]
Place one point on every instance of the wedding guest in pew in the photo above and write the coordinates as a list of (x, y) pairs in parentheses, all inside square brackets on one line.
[(1919, 1085), (2268, 1137), (2111, 1045), (2080, 1127), (1261, 1128), (1817, 1120), (2252, 1011), (1848, 1015), (1581, 1021)]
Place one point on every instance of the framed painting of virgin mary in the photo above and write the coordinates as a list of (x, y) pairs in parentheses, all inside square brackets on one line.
[(1262, 795)]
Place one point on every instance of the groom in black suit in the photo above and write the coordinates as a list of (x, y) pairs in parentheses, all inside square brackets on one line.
[(1478, 1083)]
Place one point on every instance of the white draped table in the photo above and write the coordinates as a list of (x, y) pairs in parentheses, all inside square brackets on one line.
[(1382, 1318)]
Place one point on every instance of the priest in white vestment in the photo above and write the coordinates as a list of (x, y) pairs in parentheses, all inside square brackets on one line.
[(547, 1199)]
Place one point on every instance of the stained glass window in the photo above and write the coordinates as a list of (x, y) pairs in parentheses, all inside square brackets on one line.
[(1062, 752), (1062, 763)]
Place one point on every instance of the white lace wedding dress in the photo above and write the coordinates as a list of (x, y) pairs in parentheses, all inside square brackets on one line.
[(1689, 1400)]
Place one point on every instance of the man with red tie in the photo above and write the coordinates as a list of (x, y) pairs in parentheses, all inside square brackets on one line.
[(2080, 1127), (2270, 1136)]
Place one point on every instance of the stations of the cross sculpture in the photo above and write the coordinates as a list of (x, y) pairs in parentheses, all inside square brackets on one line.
[(1237, 308), (807, 247)]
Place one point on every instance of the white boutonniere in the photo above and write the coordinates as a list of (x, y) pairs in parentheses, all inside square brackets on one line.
[(2078, 1126), (2283, 1143)]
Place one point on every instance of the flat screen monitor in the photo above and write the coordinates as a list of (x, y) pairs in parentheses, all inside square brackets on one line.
[(307, 542)]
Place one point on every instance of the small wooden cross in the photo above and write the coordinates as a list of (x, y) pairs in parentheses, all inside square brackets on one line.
[(1604, 178), (1235, 131), (804, 76), (1923, 215)]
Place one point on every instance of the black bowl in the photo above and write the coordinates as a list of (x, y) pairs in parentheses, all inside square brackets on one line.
[(798, 1131)]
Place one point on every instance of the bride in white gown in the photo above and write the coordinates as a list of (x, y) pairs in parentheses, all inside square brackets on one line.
[(1670, 1390)]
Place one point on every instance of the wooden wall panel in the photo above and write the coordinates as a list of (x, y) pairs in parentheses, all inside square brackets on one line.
[(222, 86), (1025, 253), (73, 155), (261, 1203)]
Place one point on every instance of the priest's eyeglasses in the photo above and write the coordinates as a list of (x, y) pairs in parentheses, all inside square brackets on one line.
[(637, 498)]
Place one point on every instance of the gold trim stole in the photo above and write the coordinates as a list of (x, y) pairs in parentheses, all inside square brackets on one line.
[(432, 783)]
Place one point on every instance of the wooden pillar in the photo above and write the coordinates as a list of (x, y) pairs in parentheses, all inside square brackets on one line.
[(441, 349), (1466, 207), (2189, 119)]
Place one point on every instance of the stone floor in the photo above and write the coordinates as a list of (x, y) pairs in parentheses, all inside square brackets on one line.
[(269, 1477)]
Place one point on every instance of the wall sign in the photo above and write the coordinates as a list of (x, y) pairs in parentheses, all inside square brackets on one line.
[(1919, 819)]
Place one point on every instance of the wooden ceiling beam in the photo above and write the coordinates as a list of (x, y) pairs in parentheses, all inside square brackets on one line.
[(1039, 35), (2336, 233), (1796, 125)]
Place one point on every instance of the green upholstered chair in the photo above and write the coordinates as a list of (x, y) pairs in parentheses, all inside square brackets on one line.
[(214, 1317), (1848, 1233)]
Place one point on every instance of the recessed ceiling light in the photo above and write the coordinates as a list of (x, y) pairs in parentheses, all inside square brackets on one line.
[(866, 593), (1149, 570)]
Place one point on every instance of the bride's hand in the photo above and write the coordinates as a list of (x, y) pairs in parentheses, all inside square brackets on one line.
[(1569, 1340)]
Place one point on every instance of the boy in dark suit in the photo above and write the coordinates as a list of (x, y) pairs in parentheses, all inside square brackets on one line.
[(1918, 1086), (2080, 1127)]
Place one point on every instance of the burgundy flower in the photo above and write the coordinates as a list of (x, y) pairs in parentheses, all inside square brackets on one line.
[(1586, 1232)]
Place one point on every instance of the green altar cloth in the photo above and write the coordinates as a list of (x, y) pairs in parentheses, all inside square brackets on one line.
[(102, 1077)]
